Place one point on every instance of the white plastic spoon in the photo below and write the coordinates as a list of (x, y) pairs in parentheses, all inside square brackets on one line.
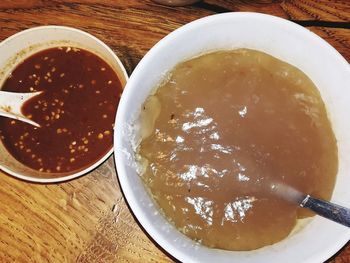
[(11, 105)]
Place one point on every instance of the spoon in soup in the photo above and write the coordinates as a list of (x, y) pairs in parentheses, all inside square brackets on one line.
[(321, 207), (11, 105)]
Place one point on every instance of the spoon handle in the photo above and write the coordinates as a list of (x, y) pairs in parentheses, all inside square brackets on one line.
[(328, 210)]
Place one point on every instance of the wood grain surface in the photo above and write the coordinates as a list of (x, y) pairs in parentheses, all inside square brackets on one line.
[(87, 219)]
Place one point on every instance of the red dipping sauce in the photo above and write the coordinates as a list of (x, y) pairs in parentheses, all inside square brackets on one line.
[(76, 111)]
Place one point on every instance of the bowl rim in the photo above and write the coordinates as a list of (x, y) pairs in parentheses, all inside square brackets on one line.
[(120, 164), (120, 67)]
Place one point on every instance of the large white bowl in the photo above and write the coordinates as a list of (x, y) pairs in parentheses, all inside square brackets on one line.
[(15, 49), (316, 241)]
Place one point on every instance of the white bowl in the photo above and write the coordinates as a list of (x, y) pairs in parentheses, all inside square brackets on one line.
[(320, 238), (15, 49)]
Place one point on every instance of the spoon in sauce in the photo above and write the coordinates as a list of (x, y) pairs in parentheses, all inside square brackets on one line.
[(11, 104), (321, 207)]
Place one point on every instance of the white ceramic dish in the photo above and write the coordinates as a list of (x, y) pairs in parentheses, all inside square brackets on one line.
[(25, 43), (319, 239)]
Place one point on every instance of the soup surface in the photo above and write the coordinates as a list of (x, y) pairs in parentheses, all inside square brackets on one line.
[(76, 110), (220, 131)]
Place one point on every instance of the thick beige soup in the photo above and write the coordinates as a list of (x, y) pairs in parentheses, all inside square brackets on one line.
[(219, 131)]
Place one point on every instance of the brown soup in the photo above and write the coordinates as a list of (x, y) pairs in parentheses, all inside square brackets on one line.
[(76, 111), (220, 129)]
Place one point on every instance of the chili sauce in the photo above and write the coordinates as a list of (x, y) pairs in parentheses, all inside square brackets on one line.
[(76, 110)]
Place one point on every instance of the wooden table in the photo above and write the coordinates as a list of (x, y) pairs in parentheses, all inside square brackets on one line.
[(87, 219)]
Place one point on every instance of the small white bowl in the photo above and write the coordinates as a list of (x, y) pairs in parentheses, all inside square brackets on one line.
[(316, 241), (15, 49)]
